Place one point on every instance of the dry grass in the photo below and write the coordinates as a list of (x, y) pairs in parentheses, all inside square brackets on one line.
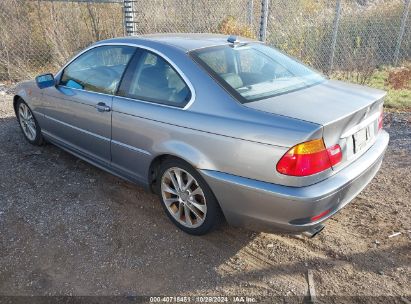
[(395, 80)]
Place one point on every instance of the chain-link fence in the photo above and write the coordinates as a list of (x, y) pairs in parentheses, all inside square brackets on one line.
[(331, 35), (172, 16), (38, 36), (342, 35)]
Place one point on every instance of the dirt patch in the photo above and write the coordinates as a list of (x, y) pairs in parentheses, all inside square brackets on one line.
[(68, 228), (400, 78)]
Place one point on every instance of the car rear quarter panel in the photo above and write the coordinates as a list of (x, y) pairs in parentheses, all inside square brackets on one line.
[(204, 150)]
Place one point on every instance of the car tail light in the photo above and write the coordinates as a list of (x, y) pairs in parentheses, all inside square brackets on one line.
[(319, 216), (381, 119), (335, 154), (309, 158)]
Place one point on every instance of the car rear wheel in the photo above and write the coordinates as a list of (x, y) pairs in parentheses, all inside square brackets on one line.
[(186, 198), (28, 124)]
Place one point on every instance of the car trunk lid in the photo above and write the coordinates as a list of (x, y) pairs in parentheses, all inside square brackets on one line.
[(348, 113)]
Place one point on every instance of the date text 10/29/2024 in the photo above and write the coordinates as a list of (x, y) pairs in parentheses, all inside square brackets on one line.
[(205, 299)]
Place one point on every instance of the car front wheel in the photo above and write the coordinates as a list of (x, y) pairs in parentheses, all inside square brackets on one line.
[(187, 199), (28, 124)]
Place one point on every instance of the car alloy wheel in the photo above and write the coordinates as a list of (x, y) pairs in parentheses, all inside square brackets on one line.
[(27, 122), (183, 197)]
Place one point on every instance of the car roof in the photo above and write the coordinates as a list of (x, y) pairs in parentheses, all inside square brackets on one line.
[(184, 41)]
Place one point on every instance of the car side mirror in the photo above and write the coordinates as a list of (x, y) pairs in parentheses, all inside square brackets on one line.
[(45, 80)]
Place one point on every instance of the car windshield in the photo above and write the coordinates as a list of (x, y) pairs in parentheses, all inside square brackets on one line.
[(255, 71)]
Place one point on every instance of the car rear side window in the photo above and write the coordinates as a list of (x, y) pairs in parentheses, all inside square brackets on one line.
[(254, 71), (99, 69), (151, 78)]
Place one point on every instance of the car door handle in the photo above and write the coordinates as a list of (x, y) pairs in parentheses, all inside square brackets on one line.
[(102, 107)]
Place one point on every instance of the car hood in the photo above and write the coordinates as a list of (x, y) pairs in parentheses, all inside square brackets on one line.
[(336, 105)]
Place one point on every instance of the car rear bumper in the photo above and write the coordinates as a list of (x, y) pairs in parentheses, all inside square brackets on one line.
[(269, 207)]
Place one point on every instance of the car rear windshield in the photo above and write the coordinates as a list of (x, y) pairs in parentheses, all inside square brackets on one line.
[(255, 71)]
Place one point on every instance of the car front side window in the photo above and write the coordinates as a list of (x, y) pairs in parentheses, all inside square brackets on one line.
[(151, 78), (98, 70)]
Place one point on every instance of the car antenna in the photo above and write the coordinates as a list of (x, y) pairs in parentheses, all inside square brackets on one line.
[(233, 39)]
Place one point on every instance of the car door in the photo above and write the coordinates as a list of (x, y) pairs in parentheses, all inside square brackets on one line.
[(78, 109), (151, 87)]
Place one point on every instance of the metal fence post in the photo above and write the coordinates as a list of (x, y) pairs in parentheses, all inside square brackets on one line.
[(123, 15), (402, 30), (335, 33), (129, 20), (250, 14), (264, 20)]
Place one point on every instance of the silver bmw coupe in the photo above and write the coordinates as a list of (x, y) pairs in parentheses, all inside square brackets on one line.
[(219, 127)]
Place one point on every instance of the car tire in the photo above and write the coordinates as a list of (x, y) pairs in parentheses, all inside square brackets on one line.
[(28, 123), (188, 194)]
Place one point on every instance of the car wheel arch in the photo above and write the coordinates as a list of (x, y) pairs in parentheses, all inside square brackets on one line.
[(191, 158), (154, 167), (16, 98)]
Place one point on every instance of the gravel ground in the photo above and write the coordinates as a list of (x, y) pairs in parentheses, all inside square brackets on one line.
[(68, 228)]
